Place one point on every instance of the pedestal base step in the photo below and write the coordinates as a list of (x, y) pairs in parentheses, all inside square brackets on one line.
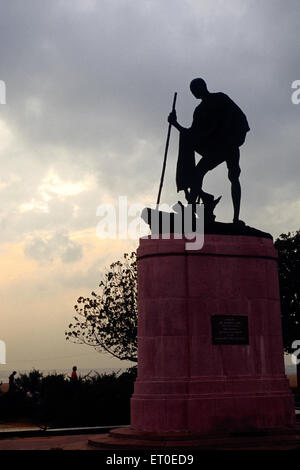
[(130, 439)]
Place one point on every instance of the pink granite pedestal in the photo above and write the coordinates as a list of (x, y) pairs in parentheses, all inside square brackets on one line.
[(185, 382)]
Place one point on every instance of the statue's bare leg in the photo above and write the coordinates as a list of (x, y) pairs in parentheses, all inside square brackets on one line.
[(236, 198), (234, 172)]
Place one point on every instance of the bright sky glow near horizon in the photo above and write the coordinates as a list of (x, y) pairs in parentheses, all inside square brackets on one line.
[(89, 85)]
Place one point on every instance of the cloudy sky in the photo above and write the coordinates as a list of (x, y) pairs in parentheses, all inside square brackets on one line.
[(89, 85)]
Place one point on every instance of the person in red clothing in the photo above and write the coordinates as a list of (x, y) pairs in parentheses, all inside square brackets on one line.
[(74, 376)]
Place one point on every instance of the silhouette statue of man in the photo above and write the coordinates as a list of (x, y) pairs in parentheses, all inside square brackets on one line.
[(218, 129)]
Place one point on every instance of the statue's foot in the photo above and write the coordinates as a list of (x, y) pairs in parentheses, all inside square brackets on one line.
[(239, 222), (216, 201), (209, 199)]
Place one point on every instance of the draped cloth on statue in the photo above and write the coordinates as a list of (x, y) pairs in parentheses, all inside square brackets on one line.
[(186, 162)]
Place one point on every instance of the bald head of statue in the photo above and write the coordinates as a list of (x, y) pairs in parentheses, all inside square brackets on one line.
[(199, 88)]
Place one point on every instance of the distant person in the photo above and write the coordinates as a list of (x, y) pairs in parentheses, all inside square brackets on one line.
[(12, 384), (74, 376)]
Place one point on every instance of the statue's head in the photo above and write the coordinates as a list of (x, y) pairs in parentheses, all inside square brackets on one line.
[(198, 87)]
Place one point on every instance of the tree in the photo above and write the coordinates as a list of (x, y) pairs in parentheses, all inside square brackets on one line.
[(288, 246), (107, 320)]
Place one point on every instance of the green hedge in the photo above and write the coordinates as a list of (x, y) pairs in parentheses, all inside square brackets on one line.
[(103, 399)]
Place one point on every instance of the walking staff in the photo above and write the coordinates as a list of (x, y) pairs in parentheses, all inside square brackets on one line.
[(166, 153)]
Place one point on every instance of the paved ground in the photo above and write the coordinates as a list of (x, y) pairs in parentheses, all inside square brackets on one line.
[(17, 426), (80, 442), (77, 442)]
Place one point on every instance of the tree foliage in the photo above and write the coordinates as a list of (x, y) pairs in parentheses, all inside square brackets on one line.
[(288, 246), (107, 320)]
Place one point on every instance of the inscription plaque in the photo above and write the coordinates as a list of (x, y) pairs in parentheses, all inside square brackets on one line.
[(230, 329)]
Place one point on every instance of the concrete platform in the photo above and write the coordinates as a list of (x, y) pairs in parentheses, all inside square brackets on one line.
[(129, 439)]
